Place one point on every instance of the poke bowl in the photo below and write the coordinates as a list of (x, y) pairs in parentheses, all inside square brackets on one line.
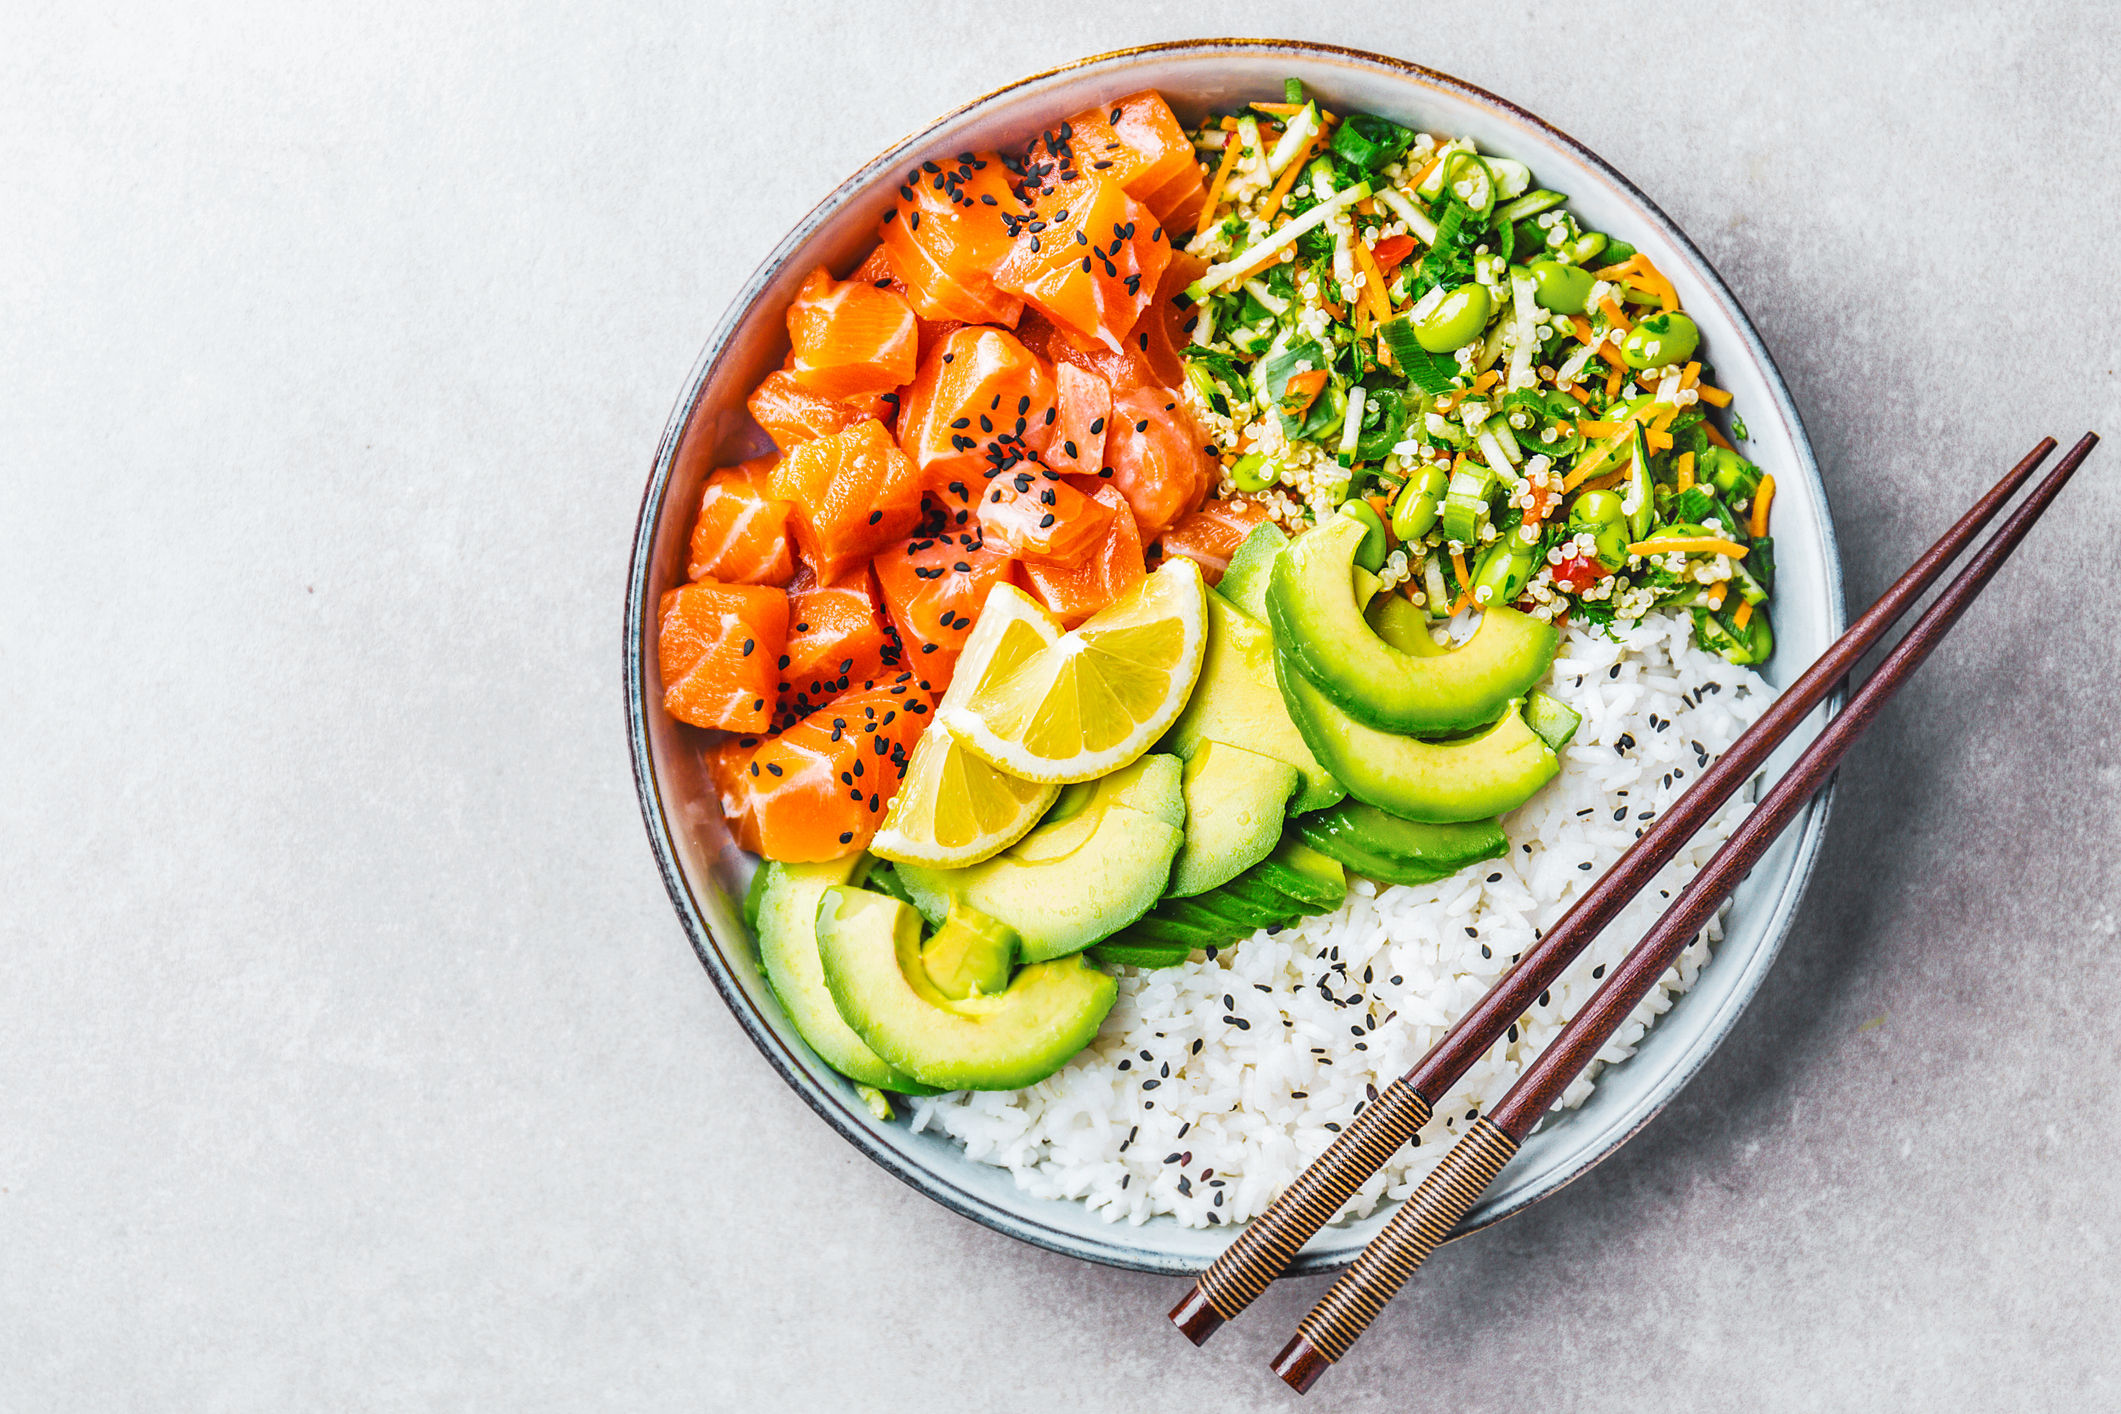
[(1006, 1161)]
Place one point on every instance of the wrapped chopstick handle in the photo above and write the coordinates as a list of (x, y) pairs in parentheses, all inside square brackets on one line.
[(1416, 1230), (1270, 1241)]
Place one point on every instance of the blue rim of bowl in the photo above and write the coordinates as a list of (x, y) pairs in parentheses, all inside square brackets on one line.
[(835, 1111)]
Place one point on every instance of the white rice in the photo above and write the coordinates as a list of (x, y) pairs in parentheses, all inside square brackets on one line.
[(1178, 1109)]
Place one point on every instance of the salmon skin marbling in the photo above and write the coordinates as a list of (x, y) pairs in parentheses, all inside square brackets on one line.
[(854, 493), (850, 340), (818, 790), (741, 536), (717, 646)]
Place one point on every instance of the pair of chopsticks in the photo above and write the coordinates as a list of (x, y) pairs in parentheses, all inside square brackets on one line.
[(1265, 1247)]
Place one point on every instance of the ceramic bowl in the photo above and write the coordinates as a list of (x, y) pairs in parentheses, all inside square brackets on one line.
[(706, 873)]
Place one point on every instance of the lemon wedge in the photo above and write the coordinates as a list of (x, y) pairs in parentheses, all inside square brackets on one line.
[(1095, 699), (954, 808)]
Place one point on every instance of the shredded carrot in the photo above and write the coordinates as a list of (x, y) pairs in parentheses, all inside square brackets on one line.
[(1307, 385), (1222, 176), (1333, 308), (1657, 441), (1288, 176), (1364, 326), (1717, 437), (1614, 272), (1614, 379), (1692, 544), (1688, 374), (1606, 351), (1763, 497), (1598, 429), (1577, 393), (1666, 295), (1683, 469), (1714, 397), (1465, 580), (1716, 594), (1280, 110), (1373, 282), (1615, 315), (1742, 615)]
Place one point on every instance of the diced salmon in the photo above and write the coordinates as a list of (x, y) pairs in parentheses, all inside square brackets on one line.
[(717, 647), (1167, 328), (934, 588), (851, 339), (837, 641), (791, 413), (1072, 595), (1036, 515), (1211, 535), (1094, 265), (1120, 368), (854, 493), (1158, 456), (741, 536), (1135, 141), (982, 402), (875, 269), (727, 761), (1083, 401), (949, 228), (818, 790)]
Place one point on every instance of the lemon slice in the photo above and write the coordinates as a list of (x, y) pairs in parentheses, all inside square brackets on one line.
[(953, 808), (1093, 701)]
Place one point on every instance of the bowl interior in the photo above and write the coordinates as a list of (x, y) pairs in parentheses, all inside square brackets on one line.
[(706, 873)]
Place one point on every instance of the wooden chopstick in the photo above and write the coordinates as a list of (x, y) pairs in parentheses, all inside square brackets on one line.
[(1449, 1192), (1266, 1245)]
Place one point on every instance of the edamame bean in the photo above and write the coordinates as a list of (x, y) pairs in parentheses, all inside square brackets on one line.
[(1565, 289), (1502, 573), (1662, 338), (1370, 554), (1598, 508), (1254, 472), (1456, 320), (1414, 513)]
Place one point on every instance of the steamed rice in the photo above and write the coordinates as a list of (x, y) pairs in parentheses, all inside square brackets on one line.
[(1214, 1083)]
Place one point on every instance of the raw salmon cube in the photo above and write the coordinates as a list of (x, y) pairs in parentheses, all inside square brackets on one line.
[(934, 588), (1072, 595), (1084, 402), (851, 340), (854, 493), (1094, 266), (818, 790), (717, 647), (982, 402), (1135, 141), (741, 536), (950, 227), (791, 413), (1035, 515), (1159, 458), (837, 641), (1211, 535)]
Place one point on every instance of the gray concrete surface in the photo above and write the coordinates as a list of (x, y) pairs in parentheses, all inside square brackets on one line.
[(350, 1054)]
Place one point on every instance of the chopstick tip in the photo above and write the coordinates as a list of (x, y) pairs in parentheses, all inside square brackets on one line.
[(1195, 1317), (1300, 1363)]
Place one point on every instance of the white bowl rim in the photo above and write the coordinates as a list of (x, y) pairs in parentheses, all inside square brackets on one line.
[(1808, 830)]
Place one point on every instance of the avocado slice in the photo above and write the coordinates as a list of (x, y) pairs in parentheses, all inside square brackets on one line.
[(1244, 582), (1154, 929), (1249, 887), (1555, 722), (1317, 622), (1395, 620), (1114, 953), (1397, 851), (1099, 860), (870, 949), (1234, 814), (1242, 915), (1489, 773), (1234, 701), (787, 914), (970, 955), (1301, 872)]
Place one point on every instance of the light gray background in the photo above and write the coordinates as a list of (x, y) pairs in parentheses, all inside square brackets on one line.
[(350, 1053)]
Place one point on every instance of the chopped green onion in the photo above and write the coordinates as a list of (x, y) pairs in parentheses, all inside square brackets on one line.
[(1351, 425), (1254, 258), (1370, 141), (1530, 204), (1292, 90)]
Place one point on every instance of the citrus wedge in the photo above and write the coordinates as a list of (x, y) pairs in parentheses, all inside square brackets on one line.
[(1096, 698), (954, 808)]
